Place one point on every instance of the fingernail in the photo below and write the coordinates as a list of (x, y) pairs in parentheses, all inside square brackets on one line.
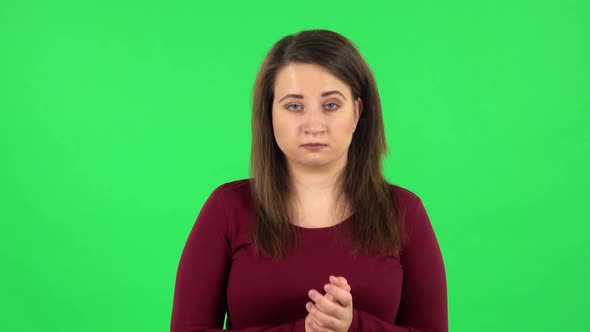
[(332, 278), (327, 287)]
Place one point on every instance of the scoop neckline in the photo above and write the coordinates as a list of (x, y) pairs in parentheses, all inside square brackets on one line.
[(319, 229)]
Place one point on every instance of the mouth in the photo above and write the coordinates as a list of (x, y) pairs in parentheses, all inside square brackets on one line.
[(314, 144)]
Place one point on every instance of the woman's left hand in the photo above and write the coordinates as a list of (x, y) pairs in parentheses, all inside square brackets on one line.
[(331, 312)]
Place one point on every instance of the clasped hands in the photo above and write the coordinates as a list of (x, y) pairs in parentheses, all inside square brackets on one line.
[(331, 312)]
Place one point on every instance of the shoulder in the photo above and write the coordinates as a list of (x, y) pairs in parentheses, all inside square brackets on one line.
[(236, 184), (406, 198), (226, 196), (416, 220), (236, 208), (235, 189), (411, 209)]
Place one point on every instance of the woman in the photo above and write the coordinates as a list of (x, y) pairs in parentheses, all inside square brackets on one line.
[(316, 240)]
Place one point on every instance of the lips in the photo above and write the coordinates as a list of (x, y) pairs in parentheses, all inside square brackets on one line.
[(314, 144)]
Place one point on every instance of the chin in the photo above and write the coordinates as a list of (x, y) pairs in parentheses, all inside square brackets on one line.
[(311, 162)]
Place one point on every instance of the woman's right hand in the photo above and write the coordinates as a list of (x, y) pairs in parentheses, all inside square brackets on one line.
[(340, 282)]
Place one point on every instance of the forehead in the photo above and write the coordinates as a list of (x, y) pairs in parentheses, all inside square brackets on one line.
[(307, 79)]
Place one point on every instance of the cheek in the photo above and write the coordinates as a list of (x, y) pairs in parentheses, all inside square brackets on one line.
[(283, 131), (343, 128)]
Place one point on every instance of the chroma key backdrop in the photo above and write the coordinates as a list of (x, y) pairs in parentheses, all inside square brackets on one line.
[(118, 118)]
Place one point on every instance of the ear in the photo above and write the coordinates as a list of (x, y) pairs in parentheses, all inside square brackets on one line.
[(358, 110)]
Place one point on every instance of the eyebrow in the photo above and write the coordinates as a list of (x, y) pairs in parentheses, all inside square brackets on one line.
[(327, 93)]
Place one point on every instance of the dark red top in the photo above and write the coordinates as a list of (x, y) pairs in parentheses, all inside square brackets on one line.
[(219, 271)]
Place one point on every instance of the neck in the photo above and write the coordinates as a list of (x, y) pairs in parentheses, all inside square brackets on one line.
[(315, 189)]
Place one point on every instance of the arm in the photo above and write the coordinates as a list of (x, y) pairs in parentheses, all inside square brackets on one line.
[(200, 291), (423, 306)]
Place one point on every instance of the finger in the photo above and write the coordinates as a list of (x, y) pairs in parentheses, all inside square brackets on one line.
[(311, 325), (323, 319), (331, 298), (347, 287), (315, 327), (340, 281), (343, 280), (326, 305), (312, 321), (341, 295)]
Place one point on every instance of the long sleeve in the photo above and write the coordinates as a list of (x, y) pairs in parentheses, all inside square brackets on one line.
[(202, 274), (423, 305), (200, 292)]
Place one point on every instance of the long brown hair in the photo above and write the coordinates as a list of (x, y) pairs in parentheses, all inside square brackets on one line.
[(377, 220)]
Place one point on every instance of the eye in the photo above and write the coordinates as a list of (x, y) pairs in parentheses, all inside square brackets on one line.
[(336, 106), (331, 106)]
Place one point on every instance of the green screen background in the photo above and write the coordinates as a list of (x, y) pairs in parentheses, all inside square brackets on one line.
[(119, 118)]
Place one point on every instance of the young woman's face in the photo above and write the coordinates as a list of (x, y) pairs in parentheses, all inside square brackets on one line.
[(313, 106)]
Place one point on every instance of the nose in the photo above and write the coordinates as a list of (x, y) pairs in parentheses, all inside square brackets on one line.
[(314, 122)]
